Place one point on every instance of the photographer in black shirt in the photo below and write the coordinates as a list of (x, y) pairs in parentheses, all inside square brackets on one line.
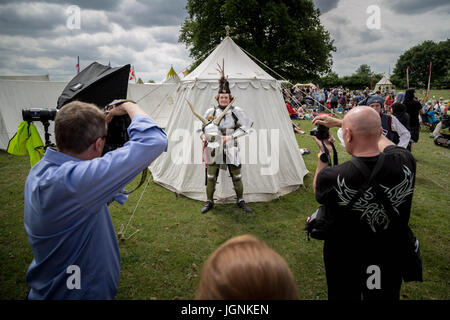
[(363, 252)]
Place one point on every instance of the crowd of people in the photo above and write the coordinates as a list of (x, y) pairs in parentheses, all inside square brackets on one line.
[(400, 111)]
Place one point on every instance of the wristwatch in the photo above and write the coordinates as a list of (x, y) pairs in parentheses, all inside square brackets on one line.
[(323, 157)]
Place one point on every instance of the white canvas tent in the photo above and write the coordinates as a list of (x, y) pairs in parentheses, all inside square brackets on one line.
[(271, 161), (384, 84), (172, 77), (43, 77), (156, 99)]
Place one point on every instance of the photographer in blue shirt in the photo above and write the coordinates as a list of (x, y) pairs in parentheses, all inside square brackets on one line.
[(69, 228)]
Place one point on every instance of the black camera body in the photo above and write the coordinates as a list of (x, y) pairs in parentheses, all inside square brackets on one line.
[(320, 132), (117, 133), (38, 114), (319, 223)]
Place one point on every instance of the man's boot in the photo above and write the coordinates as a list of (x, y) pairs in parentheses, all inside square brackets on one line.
[(207, 206), (241, 204)]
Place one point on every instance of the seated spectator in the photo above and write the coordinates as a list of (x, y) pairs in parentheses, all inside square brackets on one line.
[(439, 105), (432, 117), (444, 123), (292, 113), (246, 268), (301, 112), (424, 118), (297, 129)]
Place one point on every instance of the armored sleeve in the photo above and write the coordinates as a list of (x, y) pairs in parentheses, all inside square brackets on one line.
[(243, 123), (208, 112)]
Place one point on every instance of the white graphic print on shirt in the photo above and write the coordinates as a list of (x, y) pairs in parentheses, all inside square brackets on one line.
[(372, 212)]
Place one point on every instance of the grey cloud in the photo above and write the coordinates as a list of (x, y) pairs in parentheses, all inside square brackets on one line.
[(105, 5), (153, 13), (166, 35), (416, 6), (22, 18), (46, 20), (369, 36), (326, 5), (339, 20)]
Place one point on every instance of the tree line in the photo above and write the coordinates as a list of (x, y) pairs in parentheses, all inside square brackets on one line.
[(287, 36)]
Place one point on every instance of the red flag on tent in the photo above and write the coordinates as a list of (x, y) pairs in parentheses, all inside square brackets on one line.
[(132, 75)]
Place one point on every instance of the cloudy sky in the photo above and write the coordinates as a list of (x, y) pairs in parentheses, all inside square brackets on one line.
[(44, 37)]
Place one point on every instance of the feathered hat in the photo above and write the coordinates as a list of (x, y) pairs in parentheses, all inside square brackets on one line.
[(224, 86)]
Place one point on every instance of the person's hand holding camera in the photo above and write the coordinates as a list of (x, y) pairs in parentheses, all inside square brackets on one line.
[(326, 142), (327, 121), (115, 111), (123, 108)]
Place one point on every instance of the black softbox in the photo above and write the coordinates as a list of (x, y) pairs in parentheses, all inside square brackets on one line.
[(97, 84), (100, 85)]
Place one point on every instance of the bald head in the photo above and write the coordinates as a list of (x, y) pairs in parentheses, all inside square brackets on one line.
[(363, 121)]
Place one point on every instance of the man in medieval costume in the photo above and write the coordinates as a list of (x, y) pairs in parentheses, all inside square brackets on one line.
[(222, 126)]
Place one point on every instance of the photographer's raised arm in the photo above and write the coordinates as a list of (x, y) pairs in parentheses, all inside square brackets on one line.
[(327, 121), (129, 108), (105, 176)]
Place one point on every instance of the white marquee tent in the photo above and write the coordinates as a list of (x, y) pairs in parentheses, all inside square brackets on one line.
[(157, 99), (384, 84), (271, 161)]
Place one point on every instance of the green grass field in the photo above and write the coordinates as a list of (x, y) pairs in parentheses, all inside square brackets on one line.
[(434, 94), (163, 260)]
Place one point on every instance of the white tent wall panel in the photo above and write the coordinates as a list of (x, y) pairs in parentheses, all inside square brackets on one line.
[(157, 99)]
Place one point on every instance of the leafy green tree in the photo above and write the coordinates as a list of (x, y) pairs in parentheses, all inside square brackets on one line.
[(329, 80), (418, 60), (285, 35), (363, 70)]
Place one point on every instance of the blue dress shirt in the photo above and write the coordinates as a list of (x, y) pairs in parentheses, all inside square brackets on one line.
[(70, 231)]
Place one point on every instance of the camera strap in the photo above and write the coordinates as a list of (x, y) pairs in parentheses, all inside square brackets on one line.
[(335, 155), (368, 176)]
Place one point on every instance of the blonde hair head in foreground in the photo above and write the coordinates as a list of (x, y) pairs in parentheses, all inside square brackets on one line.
[(246, 268)]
